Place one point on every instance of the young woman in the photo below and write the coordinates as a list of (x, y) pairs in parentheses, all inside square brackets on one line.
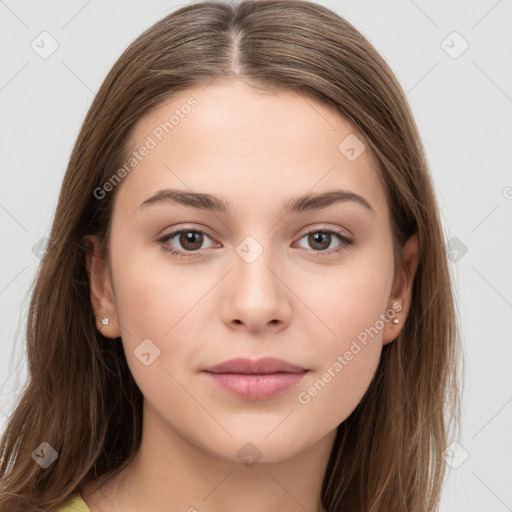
[(245, 302)]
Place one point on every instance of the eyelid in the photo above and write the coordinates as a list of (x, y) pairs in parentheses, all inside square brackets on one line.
[(326, 227), (318, 226), (187, 227)]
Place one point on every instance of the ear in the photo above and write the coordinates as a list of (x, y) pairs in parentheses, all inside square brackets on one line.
[(102, 294), (400, 300)]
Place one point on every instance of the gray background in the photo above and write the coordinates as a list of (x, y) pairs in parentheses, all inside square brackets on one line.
[(462, 104)]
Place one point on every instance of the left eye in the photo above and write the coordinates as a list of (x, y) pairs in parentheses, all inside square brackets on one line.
[(192, 239), (323, 238)]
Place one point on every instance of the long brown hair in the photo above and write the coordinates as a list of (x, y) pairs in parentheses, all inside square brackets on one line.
[(81, 398)]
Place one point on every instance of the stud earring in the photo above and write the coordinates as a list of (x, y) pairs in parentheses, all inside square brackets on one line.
[(104, 321), (396, 321)]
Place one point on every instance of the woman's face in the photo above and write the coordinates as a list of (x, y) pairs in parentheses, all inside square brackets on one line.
[(268, 278)]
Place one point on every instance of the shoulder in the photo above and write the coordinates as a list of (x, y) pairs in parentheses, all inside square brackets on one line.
[(74, 503)]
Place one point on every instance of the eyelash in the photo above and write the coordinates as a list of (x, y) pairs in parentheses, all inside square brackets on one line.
[(346, 242)]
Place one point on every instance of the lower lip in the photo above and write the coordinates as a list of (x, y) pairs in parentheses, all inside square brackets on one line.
[(256, 386)]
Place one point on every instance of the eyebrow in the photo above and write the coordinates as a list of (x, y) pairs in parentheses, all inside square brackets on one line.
[(212, 203)]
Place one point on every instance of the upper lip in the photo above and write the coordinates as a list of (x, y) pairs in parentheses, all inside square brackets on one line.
[(264, 365)]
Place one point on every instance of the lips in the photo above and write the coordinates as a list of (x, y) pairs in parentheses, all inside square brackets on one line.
[(262, 366), (255, 380)]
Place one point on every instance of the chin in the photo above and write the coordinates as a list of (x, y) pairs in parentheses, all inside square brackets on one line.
[(255, 446)]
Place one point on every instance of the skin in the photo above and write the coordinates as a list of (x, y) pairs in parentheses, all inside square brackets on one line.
[(255, 148)]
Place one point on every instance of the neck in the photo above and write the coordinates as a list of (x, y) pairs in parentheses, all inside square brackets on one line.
[(170, 470)]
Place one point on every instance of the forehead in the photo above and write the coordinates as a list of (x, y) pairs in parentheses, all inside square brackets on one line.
[(248, 144)]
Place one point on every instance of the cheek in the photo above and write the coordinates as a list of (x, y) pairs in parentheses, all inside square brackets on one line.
[(351, 302), (335, 391), (164, 303), (346, 360), (348, 297), (152, 293)]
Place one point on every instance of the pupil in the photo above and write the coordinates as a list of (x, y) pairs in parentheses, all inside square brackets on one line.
[(190, 237), (321, 239)]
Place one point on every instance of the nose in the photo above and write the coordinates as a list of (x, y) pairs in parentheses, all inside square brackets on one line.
[(255, 297)]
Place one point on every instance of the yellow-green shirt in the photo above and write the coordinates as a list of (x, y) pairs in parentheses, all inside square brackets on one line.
[(74, 503)]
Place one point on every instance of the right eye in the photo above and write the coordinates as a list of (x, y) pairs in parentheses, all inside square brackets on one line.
[(190, 239)]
